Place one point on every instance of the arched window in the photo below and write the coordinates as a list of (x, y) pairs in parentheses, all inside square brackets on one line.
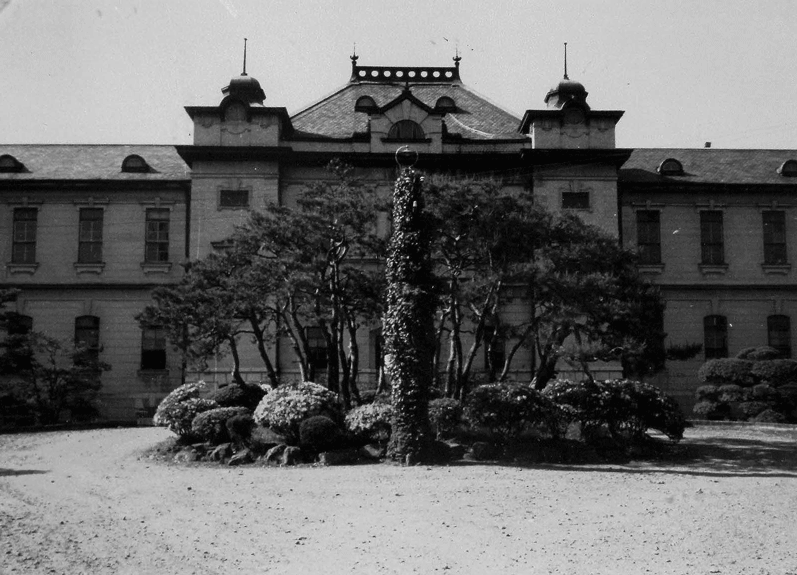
[(670, 167), (788, 169), (445, 104), (134, 163), (405, 130), (715, 336), (10, 164), (365, 104), (779, 334)]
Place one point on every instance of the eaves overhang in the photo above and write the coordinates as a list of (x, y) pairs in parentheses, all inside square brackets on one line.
[(532, 115), (190, 154), (544, 156), (280, 112)]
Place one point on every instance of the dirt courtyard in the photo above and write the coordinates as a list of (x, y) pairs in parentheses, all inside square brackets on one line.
[(92, 502)]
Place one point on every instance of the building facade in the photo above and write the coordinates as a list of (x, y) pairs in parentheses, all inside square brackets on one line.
[(90, 230)]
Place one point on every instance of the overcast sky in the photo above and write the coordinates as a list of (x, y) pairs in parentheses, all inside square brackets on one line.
[(685, 72)]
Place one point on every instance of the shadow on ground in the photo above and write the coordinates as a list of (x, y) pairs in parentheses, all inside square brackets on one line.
[(14, 472)]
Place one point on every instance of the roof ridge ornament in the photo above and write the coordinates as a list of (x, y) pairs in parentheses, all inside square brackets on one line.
[(244, 70), (566, 78), (404, 74)]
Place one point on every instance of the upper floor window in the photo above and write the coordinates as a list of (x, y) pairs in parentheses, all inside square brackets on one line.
[(575, 200), (153, 348), (715, 336), (774, 237), (156, 245), (135, 163), (711, 237), (90, 236), (648, 230), (23, 248), (365, 104), (405, 130), (445, 104), (670, 167), (779, 334), (234, 199)]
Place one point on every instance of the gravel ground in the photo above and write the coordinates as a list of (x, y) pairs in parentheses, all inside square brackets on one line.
[(93, 502)]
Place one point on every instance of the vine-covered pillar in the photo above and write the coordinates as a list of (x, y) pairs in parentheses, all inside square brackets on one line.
[(409, 321)]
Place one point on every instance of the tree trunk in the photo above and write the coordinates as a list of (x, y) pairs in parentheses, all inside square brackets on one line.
[(273, 380), (409, 322), (236, 363)]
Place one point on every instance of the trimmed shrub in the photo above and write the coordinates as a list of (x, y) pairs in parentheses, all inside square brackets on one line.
[(508, 409), (178, 409), (211, 425), (769, 416), (319, 433), (713, 410), (763, 392), (708, 393), (235, 395), (752, 408), (284, 408), (445, 414), (775, 372), (763, 352), (371, 421), (239, 428), (729, 393), (727, 370)]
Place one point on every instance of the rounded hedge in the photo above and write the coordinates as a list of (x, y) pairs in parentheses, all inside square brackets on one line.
[(708, 393), (371, 421), (763, 352), (211, 425), (727, 370), (713, 410), (178, 409), (508, 409), (775, 372), (319, 433), (236, 395), (284, 408), (445, 414)]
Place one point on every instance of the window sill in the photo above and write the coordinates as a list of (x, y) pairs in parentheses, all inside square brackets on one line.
[(713, 269), (95, 268), (776, 269), (150, 373), (151, 268), (19, 269), (650, 268)]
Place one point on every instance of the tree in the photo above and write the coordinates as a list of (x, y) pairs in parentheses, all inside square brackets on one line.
[(408, 322), (45, 373)]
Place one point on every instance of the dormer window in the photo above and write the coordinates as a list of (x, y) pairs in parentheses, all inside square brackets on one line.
[(445, 104), (405, 130), (135, 163), (788, 169), (670, 167), (365, 104), (10, 164), (235, 112)]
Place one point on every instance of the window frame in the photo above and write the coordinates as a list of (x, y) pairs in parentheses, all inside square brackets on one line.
[(576, 200), (28, 227), (648, 237), (774, 237), (227, 205), (156, 246), (779, 339), (153, 349), (88, 334), (317, 346), (90, 233), (712, 237), (398, 131)]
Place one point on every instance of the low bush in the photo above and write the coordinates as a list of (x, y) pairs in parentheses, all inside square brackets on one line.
[(283, 409), (211, 425), (178, 409), (770, 416), (729, 393), (761, 353), (727, 370), (750, 409), (712, 410), (445, 414), (239, 428), (235, 395), (319, 433), (708, 393), (371, 421), (508, 409)]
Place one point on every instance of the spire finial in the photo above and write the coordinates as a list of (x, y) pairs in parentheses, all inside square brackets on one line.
[(354, 55), (457, 57), (244, 71), (566, 78)]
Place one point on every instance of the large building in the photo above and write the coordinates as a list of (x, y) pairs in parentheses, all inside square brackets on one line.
[(90, 230)]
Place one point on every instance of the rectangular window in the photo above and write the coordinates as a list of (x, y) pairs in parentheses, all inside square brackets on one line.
[(23, 249), (234, 199), (774, 237), (156, 246), (87, 335), (318, 348), (711, 241), (715, 334), (575, 200), (90, 241), (153, 348), (648, 230), (779, 334)]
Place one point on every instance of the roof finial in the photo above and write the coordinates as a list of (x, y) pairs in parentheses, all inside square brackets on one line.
[(244, 72), (566, 78), (354, 55), (457, 57)]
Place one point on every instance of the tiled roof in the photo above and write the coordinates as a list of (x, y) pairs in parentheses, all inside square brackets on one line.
[(93, 162), (475, 117), (709, 166)]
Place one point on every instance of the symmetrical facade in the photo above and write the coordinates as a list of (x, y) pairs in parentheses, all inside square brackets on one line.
[(90, 230)]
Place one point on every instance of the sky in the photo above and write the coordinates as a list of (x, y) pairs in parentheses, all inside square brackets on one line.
[(684, 71)]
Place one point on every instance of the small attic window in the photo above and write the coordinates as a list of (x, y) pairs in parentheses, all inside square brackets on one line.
[(445, 104), (670, 167), (788, 169), (365, 104), (235, 112), (10, 164), (135, 163), (405, 130)]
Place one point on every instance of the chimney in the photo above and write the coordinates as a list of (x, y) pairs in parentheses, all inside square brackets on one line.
[(707, 145)]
